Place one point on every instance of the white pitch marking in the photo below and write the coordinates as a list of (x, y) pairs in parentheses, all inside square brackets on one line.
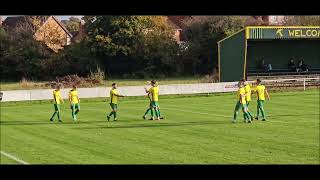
[(14, 158)]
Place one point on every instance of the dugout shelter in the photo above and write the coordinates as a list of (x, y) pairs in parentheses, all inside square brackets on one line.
[(240, 54)]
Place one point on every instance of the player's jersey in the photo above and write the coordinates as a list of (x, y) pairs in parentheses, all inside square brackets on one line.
[(155, 93), (113, 97), (57, 96), (247, 88), (241, 97), (73, 94), (260, 92)]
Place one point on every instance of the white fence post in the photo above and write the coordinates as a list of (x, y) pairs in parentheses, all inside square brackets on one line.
[(304, 84)]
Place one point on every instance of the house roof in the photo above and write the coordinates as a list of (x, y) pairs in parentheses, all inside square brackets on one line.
[(14, 21), (177, 21), (62, 26)]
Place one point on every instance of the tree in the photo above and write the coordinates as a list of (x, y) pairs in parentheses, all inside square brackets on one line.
[(302, 20), (157, 50), (72, 24), (73, 59), (22, 56), (203, 33), (115, 35), (143, 42)]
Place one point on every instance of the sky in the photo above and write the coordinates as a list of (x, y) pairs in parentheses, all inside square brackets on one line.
[(60, 17)]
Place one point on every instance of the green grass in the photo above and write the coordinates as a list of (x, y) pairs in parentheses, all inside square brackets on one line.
[(121, 82), (197, 130)]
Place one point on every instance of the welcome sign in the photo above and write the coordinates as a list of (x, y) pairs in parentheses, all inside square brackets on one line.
[(283, 32)]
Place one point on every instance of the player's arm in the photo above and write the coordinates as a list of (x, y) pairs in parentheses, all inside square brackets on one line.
[(78, 98), (146, 90), (61, 99), (149, 96), (54, 98), (266, 92), (119, 95), (241, 97), (69, 97)]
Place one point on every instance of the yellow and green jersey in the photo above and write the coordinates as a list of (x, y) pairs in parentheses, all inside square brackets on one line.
[(260, 92), (247, 89), (155, 93), (113, 96), (73, 95), (57, 97), (241, 97)]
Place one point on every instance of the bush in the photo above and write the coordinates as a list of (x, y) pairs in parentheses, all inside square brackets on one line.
[(70, 80), (98, 75), (208, 79), (26, 83)]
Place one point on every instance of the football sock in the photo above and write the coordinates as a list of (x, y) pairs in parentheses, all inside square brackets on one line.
[(53, 115), (262, 112), (148, 111), (115, 115), (250, 115), (235, 115), (157, 112)]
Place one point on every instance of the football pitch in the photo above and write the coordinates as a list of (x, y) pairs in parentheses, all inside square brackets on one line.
[(196, 130)]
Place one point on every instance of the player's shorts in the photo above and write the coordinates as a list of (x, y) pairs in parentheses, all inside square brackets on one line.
[(56, 107), (75, 106), (154, 104), (114, 106), (240, 106), (260, 103)]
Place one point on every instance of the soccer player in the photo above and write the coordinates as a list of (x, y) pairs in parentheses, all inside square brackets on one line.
[(241, 103), (154, 90), (74, 102), (114, 94), (247, 89), (150, 108), (57, 99), (261, 92)]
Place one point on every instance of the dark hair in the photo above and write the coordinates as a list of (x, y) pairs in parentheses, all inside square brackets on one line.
[(242, 80), (153, 81), (113, 84), (259, 80), (74, 86)]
